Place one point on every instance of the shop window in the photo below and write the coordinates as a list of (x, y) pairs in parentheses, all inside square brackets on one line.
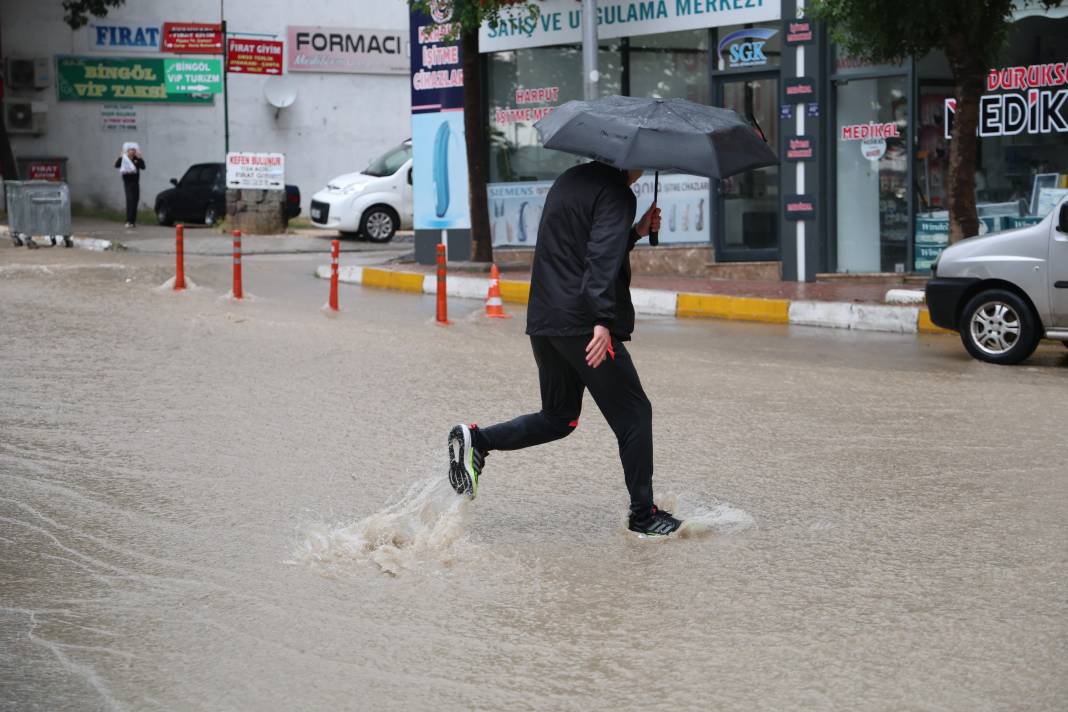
[(673, 65), (524, 85), (872, 171), (1022, 156)]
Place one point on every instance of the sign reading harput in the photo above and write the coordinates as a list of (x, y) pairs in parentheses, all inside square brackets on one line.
[(260, 171), (347, 49), (252, 56)]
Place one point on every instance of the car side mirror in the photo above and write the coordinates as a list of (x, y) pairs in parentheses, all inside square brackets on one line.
[(1062, 224), (174, 181), (410, 178)]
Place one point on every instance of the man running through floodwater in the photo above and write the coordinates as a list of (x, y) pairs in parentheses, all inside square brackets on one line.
[(578, 316)]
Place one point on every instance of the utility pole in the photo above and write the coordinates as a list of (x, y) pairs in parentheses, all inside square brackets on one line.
[(225, 73), (590, 75)]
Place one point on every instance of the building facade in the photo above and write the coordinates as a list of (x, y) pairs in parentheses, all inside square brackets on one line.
[(863, 149), (73, 97)]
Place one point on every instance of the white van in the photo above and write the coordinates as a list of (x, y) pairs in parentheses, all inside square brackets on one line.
[(1004, 292), (372, 204)]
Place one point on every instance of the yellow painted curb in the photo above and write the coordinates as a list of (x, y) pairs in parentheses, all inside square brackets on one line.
[(515, 291), (718, 306), (924, 325), (392, 279)]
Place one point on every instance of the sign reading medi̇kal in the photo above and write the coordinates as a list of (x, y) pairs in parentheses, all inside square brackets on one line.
[(560, 21), (116, 80), (347, 49)]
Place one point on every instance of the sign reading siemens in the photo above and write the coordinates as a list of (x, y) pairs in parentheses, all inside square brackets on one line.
[(347, 49), (560, 21)]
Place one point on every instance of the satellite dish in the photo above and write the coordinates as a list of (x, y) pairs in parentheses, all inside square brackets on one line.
[(280, 92)]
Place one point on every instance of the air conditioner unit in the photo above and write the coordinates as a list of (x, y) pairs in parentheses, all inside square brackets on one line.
[(25, 117), (29, 73)]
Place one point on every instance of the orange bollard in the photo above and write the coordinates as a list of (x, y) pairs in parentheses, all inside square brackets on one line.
[(335, 249), (443, 306), (179, 257), (494, 305), (237, 293)]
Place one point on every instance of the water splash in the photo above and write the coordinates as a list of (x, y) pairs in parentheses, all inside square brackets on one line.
[(423, 527), (702, 520)]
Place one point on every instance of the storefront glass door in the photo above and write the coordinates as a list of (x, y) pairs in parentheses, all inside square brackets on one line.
[(871, 136), (749, 202)]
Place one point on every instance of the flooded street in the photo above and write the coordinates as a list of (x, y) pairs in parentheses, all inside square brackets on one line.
[(209, 505)]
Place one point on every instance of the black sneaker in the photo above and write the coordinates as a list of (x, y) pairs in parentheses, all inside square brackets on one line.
[(655, 522), (465, 461)]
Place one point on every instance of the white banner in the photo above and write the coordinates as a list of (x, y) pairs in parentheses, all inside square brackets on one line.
[(560, 21), (515, 208), (263, 171)]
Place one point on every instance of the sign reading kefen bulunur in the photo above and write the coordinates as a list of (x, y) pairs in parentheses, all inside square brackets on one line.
[(261, 171)]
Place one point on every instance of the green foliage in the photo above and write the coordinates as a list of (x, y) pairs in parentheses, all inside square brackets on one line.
[(76, 13), (890, 31), (469, 15)]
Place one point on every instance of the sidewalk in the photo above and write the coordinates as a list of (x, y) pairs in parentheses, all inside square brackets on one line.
[(98, 234), (843, 305)]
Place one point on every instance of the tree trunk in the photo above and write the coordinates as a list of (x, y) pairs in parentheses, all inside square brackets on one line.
[(477, 150), (968, 80)]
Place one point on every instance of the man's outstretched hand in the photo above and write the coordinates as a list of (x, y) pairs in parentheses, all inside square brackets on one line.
[(597, 349), (650, 221)]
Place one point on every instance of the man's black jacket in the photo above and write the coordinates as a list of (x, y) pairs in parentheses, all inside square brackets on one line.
[(581, 273)]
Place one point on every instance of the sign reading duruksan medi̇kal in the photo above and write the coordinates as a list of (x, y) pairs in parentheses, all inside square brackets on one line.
[(347, 49), (1020, 100)]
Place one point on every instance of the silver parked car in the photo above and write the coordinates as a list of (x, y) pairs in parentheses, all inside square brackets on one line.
[(1004, 292)]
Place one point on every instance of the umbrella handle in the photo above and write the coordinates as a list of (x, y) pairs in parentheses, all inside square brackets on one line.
[(654, 235)]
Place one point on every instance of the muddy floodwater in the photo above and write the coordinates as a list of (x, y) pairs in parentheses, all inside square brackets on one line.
[(207, 505)]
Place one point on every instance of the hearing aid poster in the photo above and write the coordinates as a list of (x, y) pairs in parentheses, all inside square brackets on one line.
[(439, 153), (515, 208)]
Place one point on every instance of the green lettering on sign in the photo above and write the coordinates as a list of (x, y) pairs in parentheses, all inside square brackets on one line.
[(193, 76), (111, 79)]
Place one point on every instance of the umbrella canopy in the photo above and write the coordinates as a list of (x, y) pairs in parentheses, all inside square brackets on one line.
[(657, 134)]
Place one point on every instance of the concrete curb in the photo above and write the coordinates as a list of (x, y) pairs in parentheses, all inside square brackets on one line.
[(858, 316)]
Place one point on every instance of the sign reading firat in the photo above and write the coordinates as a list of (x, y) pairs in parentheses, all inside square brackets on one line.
[(259, 171)]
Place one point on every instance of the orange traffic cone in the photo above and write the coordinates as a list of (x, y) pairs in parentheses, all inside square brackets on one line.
[(494, 305)]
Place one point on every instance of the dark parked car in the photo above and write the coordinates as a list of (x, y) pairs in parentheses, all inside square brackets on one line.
[(200, 196)]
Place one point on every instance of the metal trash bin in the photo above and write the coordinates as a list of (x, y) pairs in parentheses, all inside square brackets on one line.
[(38, 207)]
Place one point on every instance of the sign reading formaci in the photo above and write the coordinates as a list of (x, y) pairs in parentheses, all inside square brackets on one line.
[(560, 21), (439, 154), (347, 49)]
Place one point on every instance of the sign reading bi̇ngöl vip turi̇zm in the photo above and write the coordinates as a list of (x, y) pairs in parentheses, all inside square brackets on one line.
[(262, 171), (193, 76)]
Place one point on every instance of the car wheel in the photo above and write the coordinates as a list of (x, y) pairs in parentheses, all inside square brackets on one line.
[(998, 326), (163, 215), (379, 223), (211, 215)]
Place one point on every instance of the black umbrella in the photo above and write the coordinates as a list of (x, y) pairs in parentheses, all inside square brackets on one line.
[(657, 134)]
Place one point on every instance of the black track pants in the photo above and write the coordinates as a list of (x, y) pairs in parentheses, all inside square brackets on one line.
[(132, 186), (615, 387)]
